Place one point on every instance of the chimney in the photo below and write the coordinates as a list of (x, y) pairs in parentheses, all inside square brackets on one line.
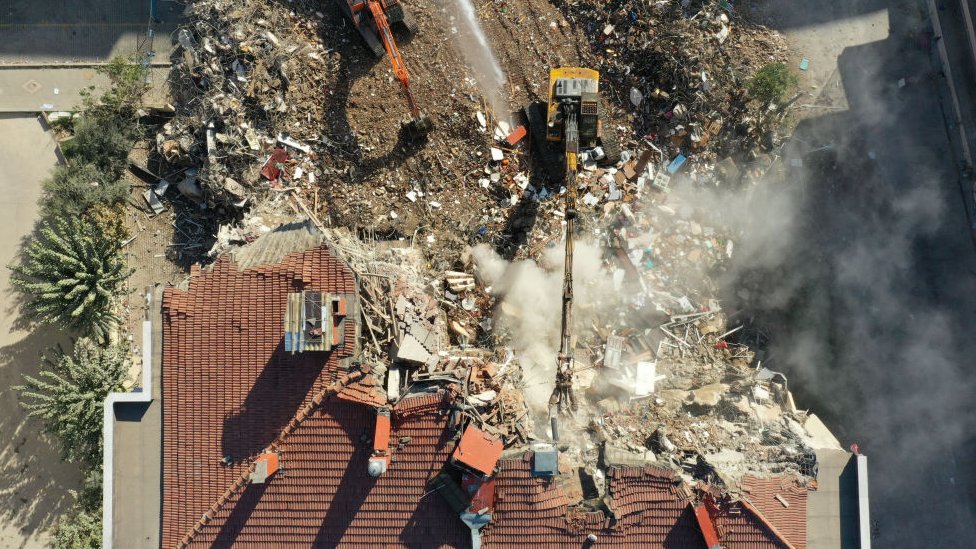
[(379, 460), (265, 466)]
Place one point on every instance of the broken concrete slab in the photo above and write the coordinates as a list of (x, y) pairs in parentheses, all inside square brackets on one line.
[(410, 349), (709, 395), (616, 455), (820, 436)]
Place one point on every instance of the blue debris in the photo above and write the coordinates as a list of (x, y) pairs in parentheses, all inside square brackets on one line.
[(676, 164), (804, 64)]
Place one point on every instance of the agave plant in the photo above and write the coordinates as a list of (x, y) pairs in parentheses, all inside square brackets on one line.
[(68, 394), (72, 275)]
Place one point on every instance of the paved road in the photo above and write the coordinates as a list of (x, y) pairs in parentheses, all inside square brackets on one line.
[(870, 297), (49, 49), (57, 31), (33, 480)]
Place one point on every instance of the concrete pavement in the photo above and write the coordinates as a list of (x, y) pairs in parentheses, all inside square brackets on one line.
[(34, 482), (58, 89), (82, 30), (34, 90), (50, 49)]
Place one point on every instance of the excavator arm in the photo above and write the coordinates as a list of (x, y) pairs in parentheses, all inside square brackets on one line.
[(563, 398), (419, 123)]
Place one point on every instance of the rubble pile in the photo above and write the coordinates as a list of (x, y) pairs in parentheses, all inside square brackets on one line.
[(401, 319), (279, 106), (274, 97), (248, 81), (407, 342), (699, 403), (681, 68)]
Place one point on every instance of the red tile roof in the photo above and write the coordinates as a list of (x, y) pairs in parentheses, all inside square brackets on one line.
[(228, 388), (762, 494), (478, 450)]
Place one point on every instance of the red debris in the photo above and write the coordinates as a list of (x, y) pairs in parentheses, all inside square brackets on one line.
[(707, 526), (272, 168), (478, 451), (482, 493), (271, 458), (517, 135)]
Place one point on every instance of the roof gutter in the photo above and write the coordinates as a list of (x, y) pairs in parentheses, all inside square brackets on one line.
[(141, 395)]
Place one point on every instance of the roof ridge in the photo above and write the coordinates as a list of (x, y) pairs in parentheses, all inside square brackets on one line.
[(338, 385)]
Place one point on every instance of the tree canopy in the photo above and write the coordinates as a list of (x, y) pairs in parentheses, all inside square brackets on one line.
[(73, 273), (69, 392)]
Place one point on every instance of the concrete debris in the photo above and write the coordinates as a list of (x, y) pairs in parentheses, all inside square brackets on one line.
[(273, 125), (709, 395), (153, 200)]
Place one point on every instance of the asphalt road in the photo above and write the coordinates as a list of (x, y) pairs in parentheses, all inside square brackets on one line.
[(870, 297), (58, 31)]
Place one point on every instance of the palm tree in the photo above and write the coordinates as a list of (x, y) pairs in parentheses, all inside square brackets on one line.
[(73, 273), (69, 392)]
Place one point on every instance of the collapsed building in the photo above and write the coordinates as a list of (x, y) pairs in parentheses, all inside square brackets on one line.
[(270, 434), (320, 388), (280, 426)]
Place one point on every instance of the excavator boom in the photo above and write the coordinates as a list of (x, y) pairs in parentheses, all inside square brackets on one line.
[(571, 117), (419, 124), (399, 67), (563, 398)]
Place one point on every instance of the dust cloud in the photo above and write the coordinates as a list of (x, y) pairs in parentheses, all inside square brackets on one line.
[(530, 308), (855, 273)]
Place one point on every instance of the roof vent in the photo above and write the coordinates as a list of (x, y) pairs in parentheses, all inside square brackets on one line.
[(376, 467), (545, 463)]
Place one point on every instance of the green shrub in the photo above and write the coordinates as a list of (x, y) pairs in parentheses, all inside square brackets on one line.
[(73, 190), (68, 395), (79, 529), (103, 141), (771, 83), (128, 78)]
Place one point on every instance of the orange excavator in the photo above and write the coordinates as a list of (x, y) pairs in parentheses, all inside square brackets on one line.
[(374, 20)]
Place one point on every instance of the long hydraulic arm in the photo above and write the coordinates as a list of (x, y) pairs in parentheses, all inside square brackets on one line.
[(399, 67), (563, 398)]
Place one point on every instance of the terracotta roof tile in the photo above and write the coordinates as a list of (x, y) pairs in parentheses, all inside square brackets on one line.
[(229, 388), (367, 391), (789, 521)]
